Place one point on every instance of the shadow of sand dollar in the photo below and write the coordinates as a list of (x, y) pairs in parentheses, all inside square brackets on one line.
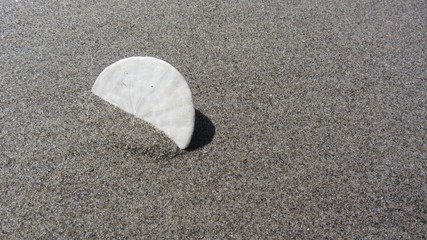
[(204, 132)]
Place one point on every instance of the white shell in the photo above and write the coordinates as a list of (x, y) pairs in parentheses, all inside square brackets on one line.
[(153, 90)]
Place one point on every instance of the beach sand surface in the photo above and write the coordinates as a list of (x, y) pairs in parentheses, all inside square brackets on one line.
[(311, 121)]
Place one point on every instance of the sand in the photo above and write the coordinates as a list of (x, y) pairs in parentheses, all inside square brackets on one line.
[(311, 121)]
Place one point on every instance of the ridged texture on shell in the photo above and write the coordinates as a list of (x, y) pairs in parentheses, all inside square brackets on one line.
[(153, 90)]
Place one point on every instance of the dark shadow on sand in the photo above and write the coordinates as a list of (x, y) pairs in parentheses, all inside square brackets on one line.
[(204, 132)]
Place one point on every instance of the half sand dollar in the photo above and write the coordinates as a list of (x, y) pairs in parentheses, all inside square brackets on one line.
[(153, 90)]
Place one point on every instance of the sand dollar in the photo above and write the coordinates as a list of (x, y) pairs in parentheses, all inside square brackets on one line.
[(153, 90)]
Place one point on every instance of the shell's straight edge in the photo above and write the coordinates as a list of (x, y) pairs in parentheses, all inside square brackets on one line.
[(153, 90)]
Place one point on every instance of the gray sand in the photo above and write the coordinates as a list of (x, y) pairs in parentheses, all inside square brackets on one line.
[(311, 121)]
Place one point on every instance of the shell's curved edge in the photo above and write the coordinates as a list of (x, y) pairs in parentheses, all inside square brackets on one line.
[(153, 90)]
